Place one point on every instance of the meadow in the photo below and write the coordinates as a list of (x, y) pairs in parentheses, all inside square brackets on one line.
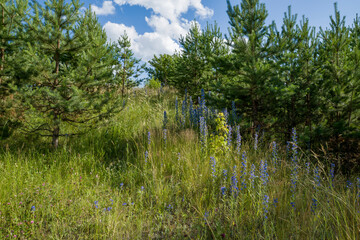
[(143, 175)]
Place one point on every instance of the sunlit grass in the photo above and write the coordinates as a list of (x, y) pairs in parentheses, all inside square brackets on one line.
[(101, 186)]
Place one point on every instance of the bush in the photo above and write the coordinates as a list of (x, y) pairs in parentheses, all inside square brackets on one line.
[(153, 83)]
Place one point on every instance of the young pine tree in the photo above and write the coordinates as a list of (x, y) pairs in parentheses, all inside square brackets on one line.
[(71, 66), (249, 69), (11, 57), (127, 67), (336, 70), (162, 67)]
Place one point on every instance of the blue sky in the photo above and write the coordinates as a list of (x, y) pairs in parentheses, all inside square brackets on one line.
[(155, 25)]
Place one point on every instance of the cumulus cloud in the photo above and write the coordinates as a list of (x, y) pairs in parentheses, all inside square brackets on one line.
[(145, 45), (171, 9), (106, 9), (166, 22)]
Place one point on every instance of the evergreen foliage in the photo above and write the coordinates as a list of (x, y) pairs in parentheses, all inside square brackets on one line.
[(127, 66), (70, 64)]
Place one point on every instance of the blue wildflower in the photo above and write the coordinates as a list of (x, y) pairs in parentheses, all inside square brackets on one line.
[(317, 177), (243, 171), (265, 205), (234, 182), (256, 141), (149, 139), (313, 205), (223, 191), (332, 174)]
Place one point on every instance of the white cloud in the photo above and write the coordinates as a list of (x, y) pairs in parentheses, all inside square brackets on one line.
[(166, 22), (163, 26), (171, 9), (144, 46), (106, 9), (115, 30)]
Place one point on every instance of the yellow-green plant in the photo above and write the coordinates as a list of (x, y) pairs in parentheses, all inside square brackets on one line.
[(218, 142)]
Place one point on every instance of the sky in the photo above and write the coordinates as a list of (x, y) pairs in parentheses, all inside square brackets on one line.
[(154, 26)]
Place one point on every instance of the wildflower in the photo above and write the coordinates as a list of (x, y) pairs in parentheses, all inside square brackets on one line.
[(169, 207), (146, 156), (332, 173), (165, 136), (226, 114), (223, 191), (202, 103), (313, 205), (263, 172), (349, 184), (243, 171), (206, 214), (307, 168), (203, 133), (225, 175), (265, 205), (149, 138), (142, 188), (294, 163), (109, 208), (317, 177), (32, 208), (121, 185), (252, 175), (256, 141), (275, 202), (234, 182), (124, 204)]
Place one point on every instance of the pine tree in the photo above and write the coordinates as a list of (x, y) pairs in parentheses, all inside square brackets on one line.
[(11, 45), (335, 63), (249, 70), (162, 68), (197, 65), (127, 67), (70, 72), (190, 65), (310, 78), (354, 103)]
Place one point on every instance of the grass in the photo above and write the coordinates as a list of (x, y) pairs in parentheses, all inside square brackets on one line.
[(100, 186)]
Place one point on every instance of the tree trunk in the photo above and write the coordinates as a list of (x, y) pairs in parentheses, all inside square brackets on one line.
[(123, 80), (123, 88), (55, 136), (57, 63)]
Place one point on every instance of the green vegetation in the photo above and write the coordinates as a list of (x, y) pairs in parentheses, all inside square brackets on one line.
[(276, 77), (163, 161), (117, 182)]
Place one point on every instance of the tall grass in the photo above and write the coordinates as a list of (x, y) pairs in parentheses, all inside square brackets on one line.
[(103, 186)]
